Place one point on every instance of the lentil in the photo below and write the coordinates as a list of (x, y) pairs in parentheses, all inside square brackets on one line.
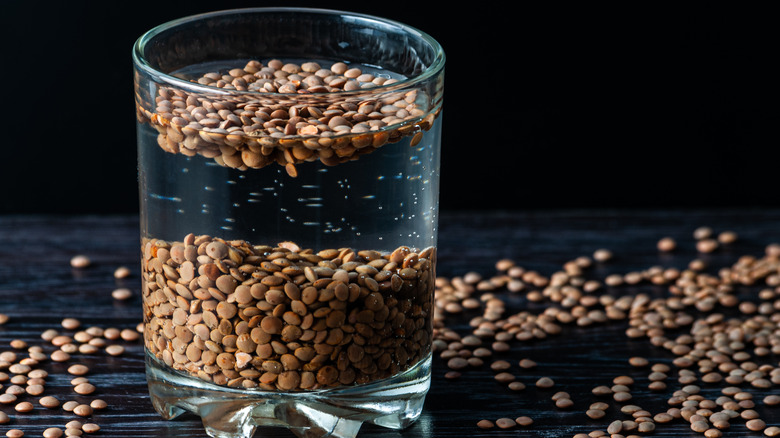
[(772, 400), (84, 388), (49, 402), (545, 382), (122, 272), (52, 432), (602, 255), (772, 431), (595, 414), (80, 261), (24, 407), (74, 425), (115, 350), (485, 424), (78, 369), (755, 424), (90, 427), (122, 294), (83, 410), (516, 386), (667, 244), (505, 423)]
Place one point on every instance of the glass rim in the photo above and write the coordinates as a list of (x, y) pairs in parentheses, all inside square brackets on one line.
[(140, 61)]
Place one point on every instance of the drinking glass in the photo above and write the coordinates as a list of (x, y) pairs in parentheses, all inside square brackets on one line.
[(288, 167)]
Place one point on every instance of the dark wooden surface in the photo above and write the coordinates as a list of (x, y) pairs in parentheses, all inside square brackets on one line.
[(38, 288)]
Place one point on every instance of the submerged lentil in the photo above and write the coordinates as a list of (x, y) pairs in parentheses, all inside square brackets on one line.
[(286, 318)]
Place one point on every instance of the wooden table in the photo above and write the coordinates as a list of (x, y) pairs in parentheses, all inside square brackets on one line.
[(38, 288)]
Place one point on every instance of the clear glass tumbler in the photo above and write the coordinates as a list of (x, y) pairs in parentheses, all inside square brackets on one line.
[(288, 164)]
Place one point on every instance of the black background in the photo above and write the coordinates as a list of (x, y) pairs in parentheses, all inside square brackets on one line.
[(563, 106)]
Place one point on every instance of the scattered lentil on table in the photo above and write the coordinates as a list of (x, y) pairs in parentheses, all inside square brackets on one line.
[(712, 348), (709, 347)]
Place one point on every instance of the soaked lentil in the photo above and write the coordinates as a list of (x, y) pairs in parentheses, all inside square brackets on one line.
[(333, 317)]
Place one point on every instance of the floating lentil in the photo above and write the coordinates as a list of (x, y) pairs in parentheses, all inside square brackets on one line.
[(290, 130)]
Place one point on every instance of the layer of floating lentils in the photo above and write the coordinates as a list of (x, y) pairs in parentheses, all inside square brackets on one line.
[(715, 336), (25, 373), (287, 114), (286, 318)]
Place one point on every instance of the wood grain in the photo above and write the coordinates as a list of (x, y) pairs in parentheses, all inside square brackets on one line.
[(38, 288)]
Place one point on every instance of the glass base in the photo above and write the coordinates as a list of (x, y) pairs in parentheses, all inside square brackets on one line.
[(394, 403)]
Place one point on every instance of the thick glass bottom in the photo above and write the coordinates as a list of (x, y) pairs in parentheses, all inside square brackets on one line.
[(226, 412)]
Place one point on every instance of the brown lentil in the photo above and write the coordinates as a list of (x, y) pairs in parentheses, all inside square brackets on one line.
[(457, 363), (485, 424), (83, 410), (115, 350), (122, 272), (98, 404), (78, 369), (52, 432), (90, 427), (24, 407), (595, 414), (772, 431), (70, 323), (622, 396), (49, 402), (80, 261), (755, 424), (666, 244), (602, 255), (500, 365), (34, 389), (772, 400), (545, 382), (505, 423), (602, 390), (699, 426), (504, 377), (516, 385), (84, 388), (527, 363), (69, 406), (122, 294)]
